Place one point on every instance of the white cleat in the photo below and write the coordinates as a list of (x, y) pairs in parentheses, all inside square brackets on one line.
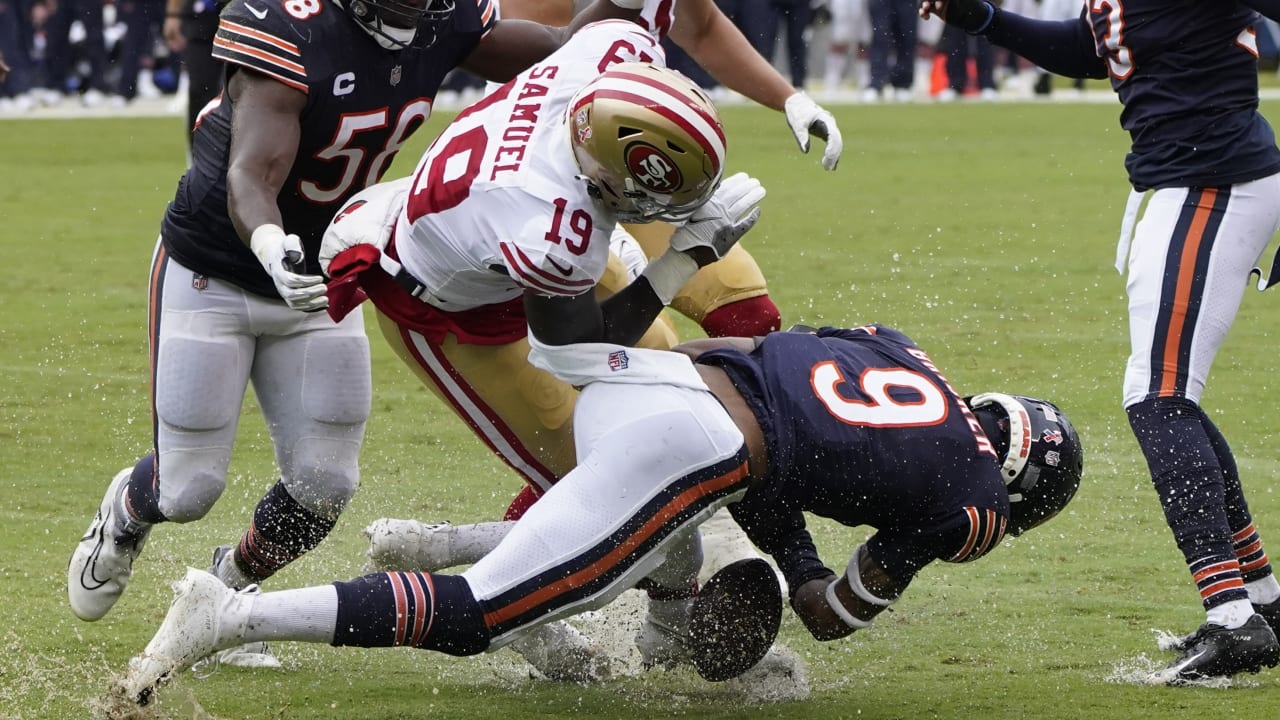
[(410, 545), (100, 567), (205, 617), (663, 638), (563, 654), (249, 655)]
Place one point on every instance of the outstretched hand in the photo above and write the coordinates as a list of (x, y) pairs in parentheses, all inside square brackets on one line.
[(716, 227), (972, 16), (806, 117)]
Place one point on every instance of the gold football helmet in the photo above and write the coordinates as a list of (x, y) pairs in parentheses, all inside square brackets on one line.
[(648, 141)]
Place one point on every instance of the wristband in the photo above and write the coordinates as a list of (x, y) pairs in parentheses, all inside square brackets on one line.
[(841, 611), (267, 244), (668, 273), (628, 4), (854, 577), (986, 23)]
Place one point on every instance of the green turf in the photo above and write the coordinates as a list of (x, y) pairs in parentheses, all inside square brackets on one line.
[(987, 232)]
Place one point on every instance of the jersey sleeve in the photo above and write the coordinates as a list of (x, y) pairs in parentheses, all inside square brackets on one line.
[(256, 35), (541, 262)]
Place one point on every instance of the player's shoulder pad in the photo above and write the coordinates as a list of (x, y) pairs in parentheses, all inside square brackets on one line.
[(615, 41), (273, 37)]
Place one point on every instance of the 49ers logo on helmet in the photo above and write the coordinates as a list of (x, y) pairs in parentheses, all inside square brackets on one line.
[(653, 169)]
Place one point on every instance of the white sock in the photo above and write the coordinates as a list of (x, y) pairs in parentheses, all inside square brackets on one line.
[(229, 572), (1264, 591), (1232, 614), (306, 615)]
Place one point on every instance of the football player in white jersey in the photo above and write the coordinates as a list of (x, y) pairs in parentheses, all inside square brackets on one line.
[(504, 230), (728, 298)]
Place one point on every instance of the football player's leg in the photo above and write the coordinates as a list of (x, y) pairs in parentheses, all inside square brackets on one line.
[(728, 298), (629, 503), (311, 377), (1190, 260), (200, 360), (545, 569), (524, 415), (1255, 566)]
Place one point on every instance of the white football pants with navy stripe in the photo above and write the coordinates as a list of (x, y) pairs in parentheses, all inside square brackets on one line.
[(1188, 269), (653, 461)]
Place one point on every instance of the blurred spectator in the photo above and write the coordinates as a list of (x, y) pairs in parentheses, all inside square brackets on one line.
[(15, 49), (893, 49), (60, 58), (189, 27), (850, 33), (796, 15), (964, 52), (136, 47), (756, 21)]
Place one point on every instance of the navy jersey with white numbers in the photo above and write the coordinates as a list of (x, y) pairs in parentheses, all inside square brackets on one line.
[(363, 102), (1187, 74), (861, 428)]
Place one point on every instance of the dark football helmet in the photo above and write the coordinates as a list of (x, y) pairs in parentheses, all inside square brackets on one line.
[(398, 24), (1043, 461)]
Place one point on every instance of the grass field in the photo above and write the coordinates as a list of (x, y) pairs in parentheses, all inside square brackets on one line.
[(987, 232)]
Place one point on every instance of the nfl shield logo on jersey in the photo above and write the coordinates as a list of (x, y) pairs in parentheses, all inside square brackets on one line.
[(198, 281), (618, 360)]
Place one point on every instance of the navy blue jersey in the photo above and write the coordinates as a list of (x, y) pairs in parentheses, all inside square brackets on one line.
[(861, 428), (363, 102), (1186, 73)]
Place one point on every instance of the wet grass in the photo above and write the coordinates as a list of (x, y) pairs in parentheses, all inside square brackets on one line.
[(985, 231)]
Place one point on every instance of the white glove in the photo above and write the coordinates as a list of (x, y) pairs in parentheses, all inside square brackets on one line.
[(807, 118), (276, 251), (724, 219), (366, 219)]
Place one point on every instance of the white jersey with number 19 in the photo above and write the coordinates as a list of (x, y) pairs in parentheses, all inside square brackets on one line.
[(496, 207)]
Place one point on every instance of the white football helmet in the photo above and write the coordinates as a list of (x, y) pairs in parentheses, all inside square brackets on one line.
[(648, 141)]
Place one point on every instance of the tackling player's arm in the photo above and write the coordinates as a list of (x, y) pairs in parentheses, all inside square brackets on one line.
[(834, 607), (265, 132), (621, 320), (512, 46), (1063, 47)]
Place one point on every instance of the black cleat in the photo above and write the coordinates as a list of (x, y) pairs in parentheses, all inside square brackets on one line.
[(1216, 651), (1269, 612)]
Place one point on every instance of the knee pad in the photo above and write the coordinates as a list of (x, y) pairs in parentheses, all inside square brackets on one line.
[(324, 475), (190, 482), (734, 278), (198, 387), (337, 388)]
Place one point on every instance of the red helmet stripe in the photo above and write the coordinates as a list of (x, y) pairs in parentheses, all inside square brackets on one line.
[(669, 91), (713, 149)]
